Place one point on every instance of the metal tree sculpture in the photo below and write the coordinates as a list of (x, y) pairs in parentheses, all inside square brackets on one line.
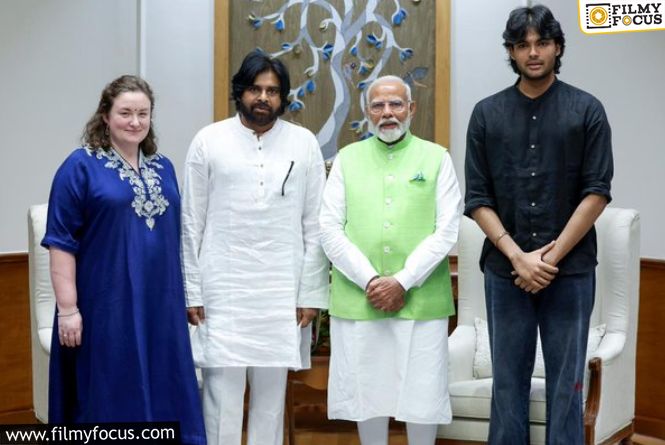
[(349, 34)]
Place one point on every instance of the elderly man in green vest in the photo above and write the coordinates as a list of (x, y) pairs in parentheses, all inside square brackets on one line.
[(390, 215)]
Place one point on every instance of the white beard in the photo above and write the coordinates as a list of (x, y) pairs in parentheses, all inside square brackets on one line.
[(391, 135)]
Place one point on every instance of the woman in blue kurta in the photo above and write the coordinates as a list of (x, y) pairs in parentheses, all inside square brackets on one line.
[(120, 348)]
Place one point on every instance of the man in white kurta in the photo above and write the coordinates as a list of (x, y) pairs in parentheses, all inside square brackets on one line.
[(389, 217), (254, 269)]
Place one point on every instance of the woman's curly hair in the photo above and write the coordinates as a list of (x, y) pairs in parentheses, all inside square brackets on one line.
[(96, 135)]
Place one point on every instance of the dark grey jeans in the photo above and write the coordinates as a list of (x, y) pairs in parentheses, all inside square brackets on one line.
[(562, 312)]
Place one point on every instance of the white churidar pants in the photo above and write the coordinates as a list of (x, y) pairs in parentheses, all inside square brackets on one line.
[(389, 368), (375, 432), (223, 398)]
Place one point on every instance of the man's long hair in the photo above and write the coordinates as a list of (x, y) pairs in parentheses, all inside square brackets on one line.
[(255, 63), (539, 19)]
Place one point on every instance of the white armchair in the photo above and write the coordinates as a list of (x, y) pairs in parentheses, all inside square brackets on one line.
[(42, 309), (610, 405)]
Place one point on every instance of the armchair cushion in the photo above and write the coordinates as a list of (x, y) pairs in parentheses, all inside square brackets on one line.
[(482, 361), (472, 399), (461, 347)]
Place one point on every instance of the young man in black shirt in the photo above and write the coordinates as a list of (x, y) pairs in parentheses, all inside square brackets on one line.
[(538, 171)]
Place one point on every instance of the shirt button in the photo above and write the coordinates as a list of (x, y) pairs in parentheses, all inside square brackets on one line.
[(386, 225), (390, 177), (261, 165), (533, 146), (533, 173), (261, 183), (391, 156), (386, 249), (533, 204), (534, 234), (533, 117), (389, 201)]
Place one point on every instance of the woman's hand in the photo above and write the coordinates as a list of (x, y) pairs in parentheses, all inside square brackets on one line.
[(70, 328), (63, 277)]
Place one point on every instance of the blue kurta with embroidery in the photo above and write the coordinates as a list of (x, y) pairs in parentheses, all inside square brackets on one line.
[(135, 362)]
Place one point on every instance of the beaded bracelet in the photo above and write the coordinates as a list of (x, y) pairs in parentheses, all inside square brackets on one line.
[(70, 314)]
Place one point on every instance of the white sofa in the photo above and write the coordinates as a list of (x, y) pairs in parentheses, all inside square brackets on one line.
[(607, 420)]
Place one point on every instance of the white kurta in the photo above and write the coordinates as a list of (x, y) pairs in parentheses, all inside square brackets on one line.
[(250, 242), (389, 368)]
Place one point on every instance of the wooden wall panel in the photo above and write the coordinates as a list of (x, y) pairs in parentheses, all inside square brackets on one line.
[(235, 37), (442, 79), (222, 81), (16, 375), (650, 397)]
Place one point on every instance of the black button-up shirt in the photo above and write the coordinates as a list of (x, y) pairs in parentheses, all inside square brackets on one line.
[(533, 161)]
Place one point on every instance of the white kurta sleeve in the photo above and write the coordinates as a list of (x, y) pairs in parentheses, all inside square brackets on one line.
[(313, 290), (194, 208), (433, 249), (345, 255)]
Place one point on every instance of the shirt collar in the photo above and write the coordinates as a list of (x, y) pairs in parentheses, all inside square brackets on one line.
[(552, 88), (406, 140), (124, 161)]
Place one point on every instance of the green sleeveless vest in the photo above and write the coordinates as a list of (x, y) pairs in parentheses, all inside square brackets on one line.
[(390, 209)]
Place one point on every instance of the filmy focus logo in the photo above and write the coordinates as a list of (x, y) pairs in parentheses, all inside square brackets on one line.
[(620, 16)]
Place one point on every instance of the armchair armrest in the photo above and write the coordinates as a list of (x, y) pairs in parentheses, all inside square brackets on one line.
[(610, 347), (461, 348), (45, 339)]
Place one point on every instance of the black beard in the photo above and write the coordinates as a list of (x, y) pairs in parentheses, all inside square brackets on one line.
[(258, 119)]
